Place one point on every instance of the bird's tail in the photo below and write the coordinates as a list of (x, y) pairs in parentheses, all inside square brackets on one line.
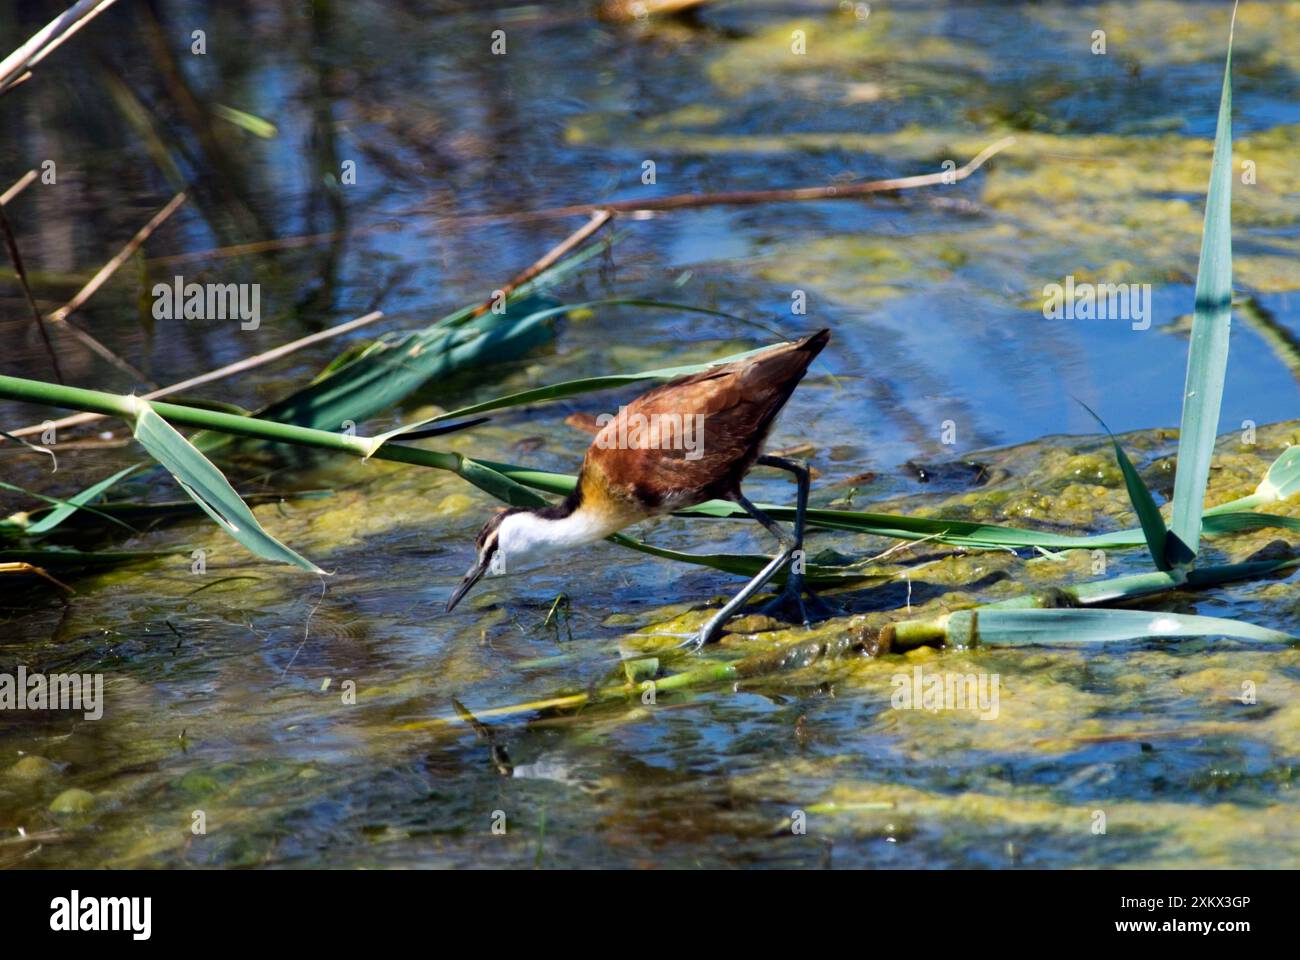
[(779, 369), (798, 355), (814, 343)]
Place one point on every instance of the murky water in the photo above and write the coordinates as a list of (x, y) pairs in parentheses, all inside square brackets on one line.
[(304, 720)]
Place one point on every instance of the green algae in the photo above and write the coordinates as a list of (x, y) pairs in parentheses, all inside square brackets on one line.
[(841, 49), (73, 801), (1160, 33), (33, 768)]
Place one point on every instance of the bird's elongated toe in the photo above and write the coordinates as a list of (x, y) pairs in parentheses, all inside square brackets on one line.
[(796, 603)]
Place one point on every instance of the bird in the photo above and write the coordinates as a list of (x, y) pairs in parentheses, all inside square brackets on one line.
[(677, 445)]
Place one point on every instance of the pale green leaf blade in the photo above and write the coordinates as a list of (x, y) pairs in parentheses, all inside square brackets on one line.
[(254, 124), (209, 488), (1283, 477), (1207, 355), (1243, 521), (1085, 626)]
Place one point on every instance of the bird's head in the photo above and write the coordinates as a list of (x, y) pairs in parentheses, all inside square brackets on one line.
[(514, 534)]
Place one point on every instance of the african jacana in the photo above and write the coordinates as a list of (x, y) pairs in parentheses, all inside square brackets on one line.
[(628, 477)]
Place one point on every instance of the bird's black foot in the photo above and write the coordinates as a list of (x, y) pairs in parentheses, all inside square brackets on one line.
[(790, 604)]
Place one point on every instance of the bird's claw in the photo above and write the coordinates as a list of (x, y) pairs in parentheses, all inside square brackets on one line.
[(791, 599), (693, 642)]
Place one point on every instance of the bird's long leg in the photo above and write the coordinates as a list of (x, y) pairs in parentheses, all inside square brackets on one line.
[(790, 543), (795, 589), (804, 480), (710, 631), (786, 539)]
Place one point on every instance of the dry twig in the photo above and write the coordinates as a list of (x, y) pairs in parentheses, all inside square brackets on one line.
[(683, 201)]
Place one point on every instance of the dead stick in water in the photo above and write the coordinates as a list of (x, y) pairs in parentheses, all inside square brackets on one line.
[(110, 268), (60, 316), (598, 219), (683, 201)]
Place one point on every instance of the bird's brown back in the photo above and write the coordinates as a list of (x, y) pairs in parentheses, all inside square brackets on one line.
[(739, 402)]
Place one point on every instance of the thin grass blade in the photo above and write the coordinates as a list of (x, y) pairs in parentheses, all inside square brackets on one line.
[(254, 124), (1144, 505), (67, 508)]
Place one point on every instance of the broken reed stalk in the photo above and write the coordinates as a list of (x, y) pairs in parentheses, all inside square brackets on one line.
[(895, 637), (828, 192), (60, 316), (713, 673), (684, 201), (239, 366), (16, 67)]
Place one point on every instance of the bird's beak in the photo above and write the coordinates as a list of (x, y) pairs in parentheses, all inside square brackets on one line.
[(472, 577)]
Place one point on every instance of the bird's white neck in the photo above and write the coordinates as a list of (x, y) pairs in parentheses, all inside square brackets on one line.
[(527, 535)]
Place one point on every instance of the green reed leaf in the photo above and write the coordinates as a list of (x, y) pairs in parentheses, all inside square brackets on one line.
[(1207, 355)]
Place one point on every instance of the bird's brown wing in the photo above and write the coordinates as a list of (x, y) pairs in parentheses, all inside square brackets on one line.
[(724, 415)]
